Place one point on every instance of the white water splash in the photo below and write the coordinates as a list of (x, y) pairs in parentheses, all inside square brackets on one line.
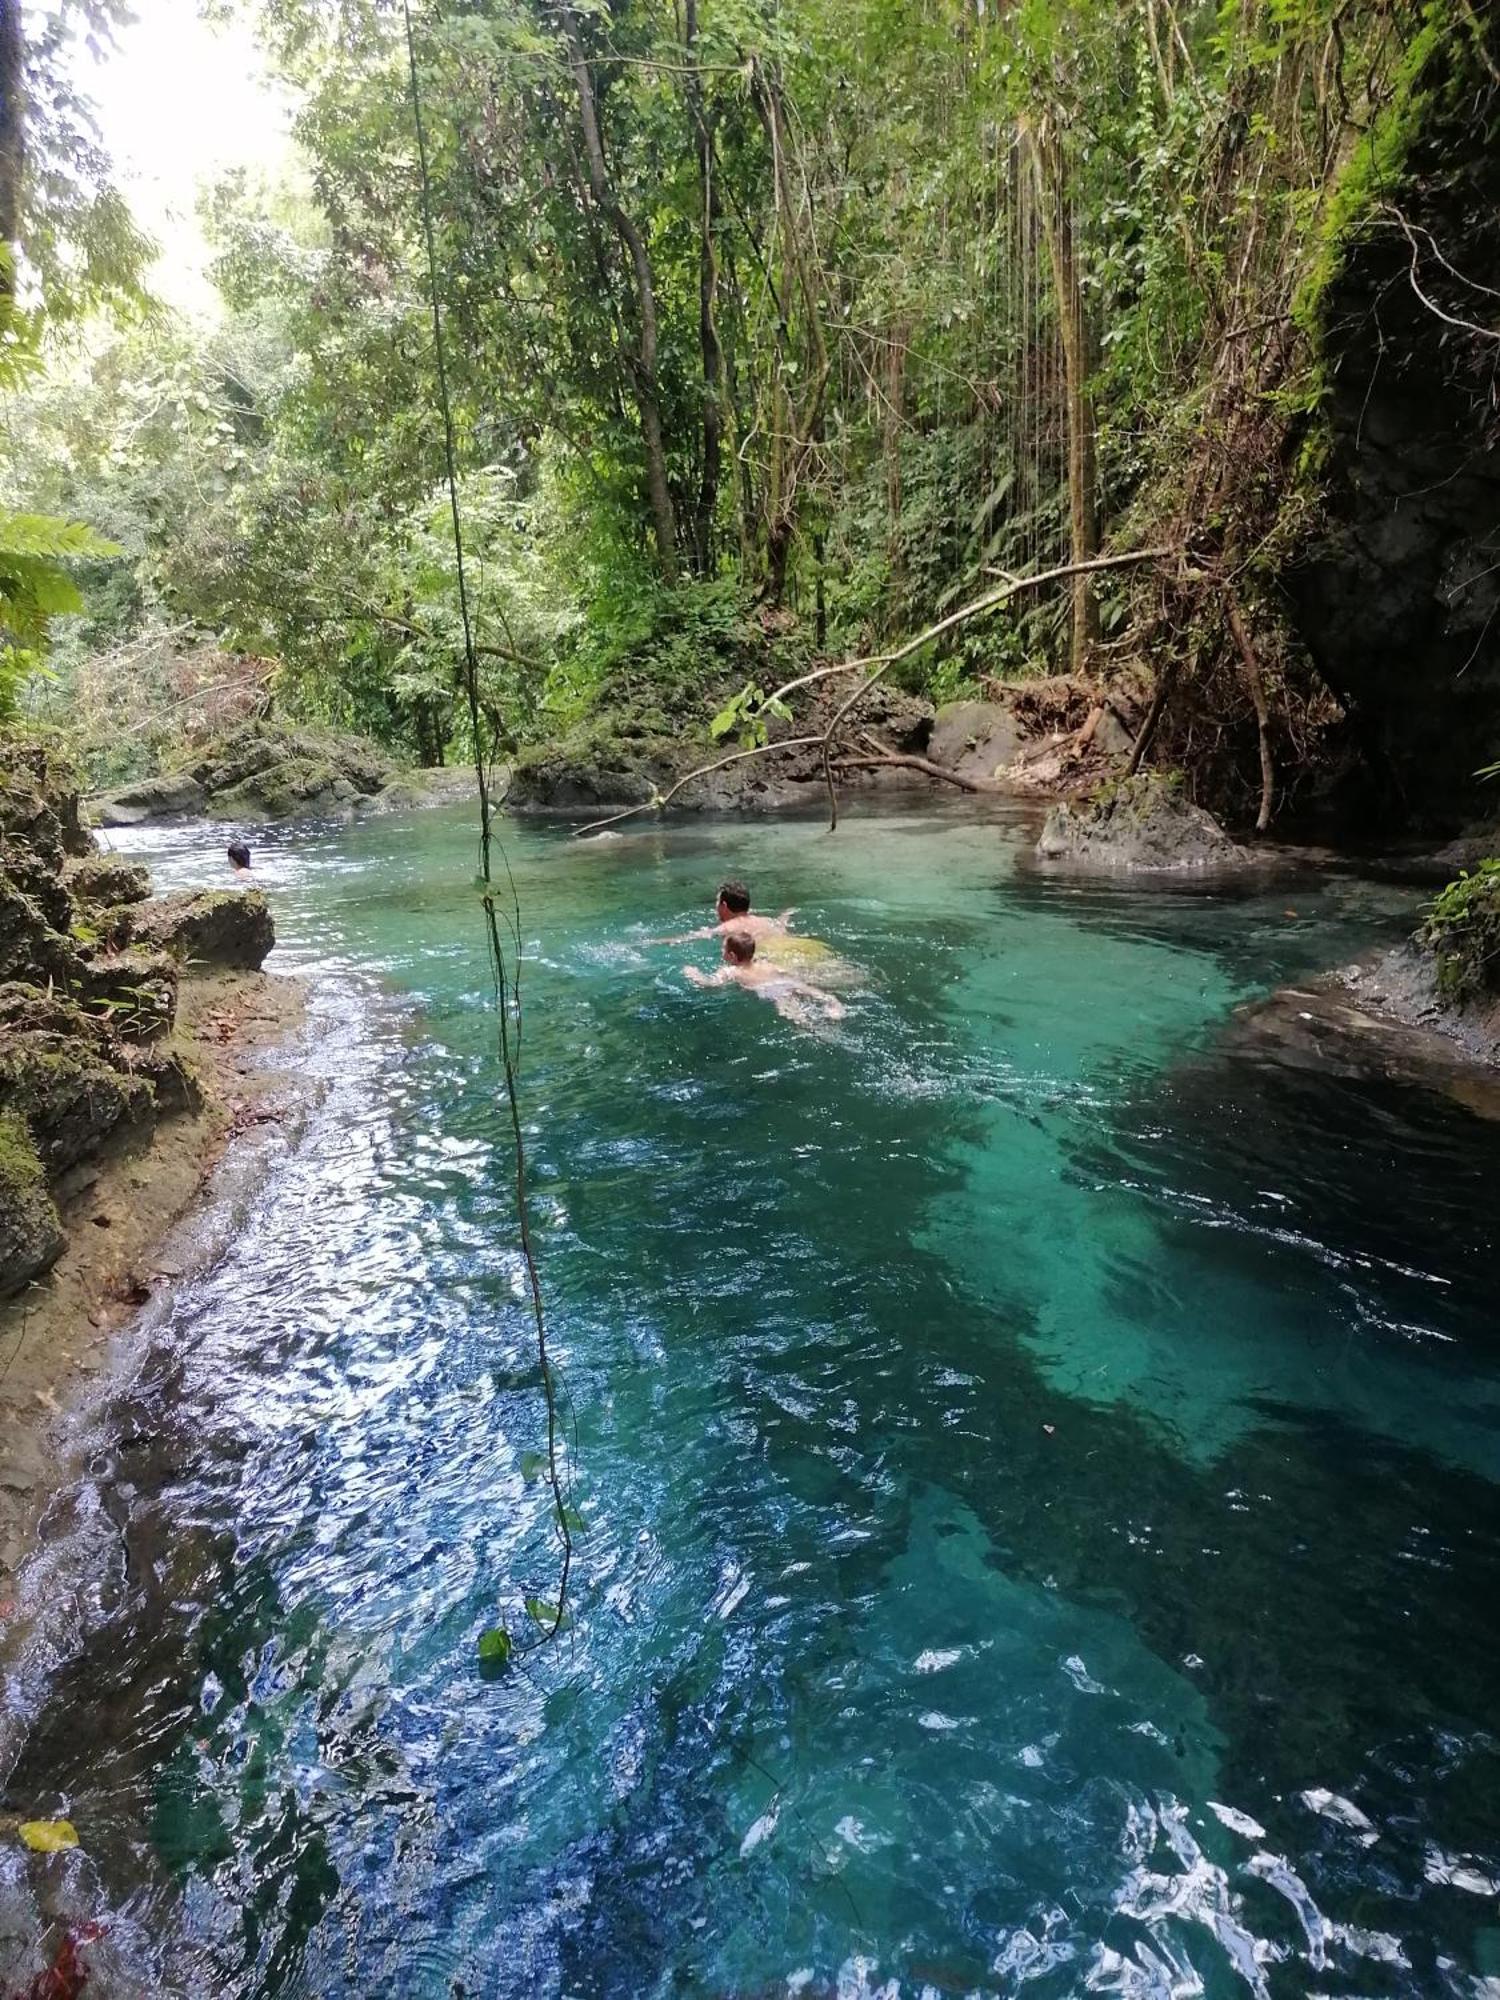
[(761, 1829), (1236, 1821), (1330, 1806)]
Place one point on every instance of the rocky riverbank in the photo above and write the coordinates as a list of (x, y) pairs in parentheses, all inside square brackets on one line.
[(1028, 739), (127, 1024), (266, 771)]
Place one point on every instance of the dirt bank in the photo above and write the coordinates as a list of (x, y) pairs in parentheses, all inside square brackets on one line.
[(56, 1335)]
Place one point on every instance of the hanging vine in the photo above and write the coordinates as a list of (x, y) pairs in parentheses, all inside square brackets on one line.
[(496, 1646)]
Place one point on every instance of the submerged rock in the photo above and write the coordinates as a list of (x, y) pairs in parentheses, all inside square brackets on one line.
[(223, 929), (1145, 823), (1383, 1019)]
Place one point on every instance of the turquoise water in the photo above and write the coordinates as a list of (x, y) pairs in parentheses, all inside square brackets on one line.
[(1037, 1457)]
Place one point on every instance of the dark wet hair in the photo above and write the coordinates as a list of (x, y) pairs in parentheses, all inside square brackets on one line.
[(739, 946), (737, 896), (239, 854)]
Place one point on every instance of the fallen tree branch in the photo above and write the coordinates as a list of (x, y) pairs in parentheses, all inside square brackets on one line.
[(906, 761), (664, 799), (881, 663), (989, 600)]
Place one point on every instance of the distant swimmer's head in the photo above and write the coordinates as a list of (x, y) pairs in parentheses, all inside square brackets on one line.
[(734, 901), (739, 947), (239, 857)]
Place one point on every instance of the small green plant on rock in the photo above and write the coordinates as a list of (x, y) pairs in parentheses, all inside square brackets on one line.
[(1462, 932), (20, 1168)]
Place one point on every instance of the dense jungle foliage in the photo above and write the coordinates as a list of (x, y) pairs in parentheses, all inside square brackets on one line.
[(773, 330)]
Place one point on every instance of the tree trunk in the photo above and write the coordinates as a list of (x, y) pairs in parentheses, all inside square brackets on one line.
[(12, 139), (641, 364), (1256, 684), (708, 332), (795, 432), (1078, 362)]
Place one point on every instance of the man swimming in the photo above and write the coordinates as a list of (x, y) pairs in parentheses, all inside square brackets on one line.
[(794, 999), (732, 911), (239, 858)]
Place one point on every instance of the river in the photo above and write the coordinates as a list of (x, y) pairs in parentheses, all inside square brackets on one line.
[(1036, 1459)]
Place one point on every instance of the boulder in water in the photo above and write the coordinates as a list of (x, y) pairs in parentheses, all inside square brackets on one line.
[(1144, 823), (151, 798)]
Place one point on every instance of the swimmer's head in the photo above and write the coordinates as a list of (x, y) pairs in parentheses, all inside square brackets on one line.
[(239, 854), (739, 947), (734, 901)]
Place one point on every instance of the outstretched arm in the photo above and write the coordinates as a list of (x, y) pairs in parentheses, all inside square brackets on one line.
[(697, 978), (688, 937)]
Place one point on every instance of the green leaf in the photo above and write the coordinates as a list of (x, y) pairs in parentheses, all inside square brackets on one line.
[(547, 1616), (533, 1465), (572, 1520), (726, 719), (495, 1647), (48, 1836)]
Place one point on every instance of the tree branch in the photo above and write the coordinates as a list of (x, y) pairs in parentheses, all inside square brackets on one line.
[(882, 664)]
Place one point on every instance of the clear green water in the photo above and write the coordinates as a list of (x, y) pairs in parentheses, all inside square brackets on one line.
[(1027, 1442)]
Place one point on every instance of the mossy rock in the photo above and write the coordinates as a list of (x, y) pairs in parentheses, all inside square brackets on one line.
[(598, 767), (73, 1103), (134, 993), (273, 772), (39, 830), (1462, 936), (174, 1082), (103, 880), (31, 1236), (36, 1010), (30, 947), (1145, 823), (302, 787), (39, 804), (170, 797), (214, 929)]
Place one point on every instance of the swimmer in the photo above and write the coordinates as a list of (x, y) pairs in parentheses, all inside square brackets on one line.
[(239, 858), (794, 999), (732, 911)]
